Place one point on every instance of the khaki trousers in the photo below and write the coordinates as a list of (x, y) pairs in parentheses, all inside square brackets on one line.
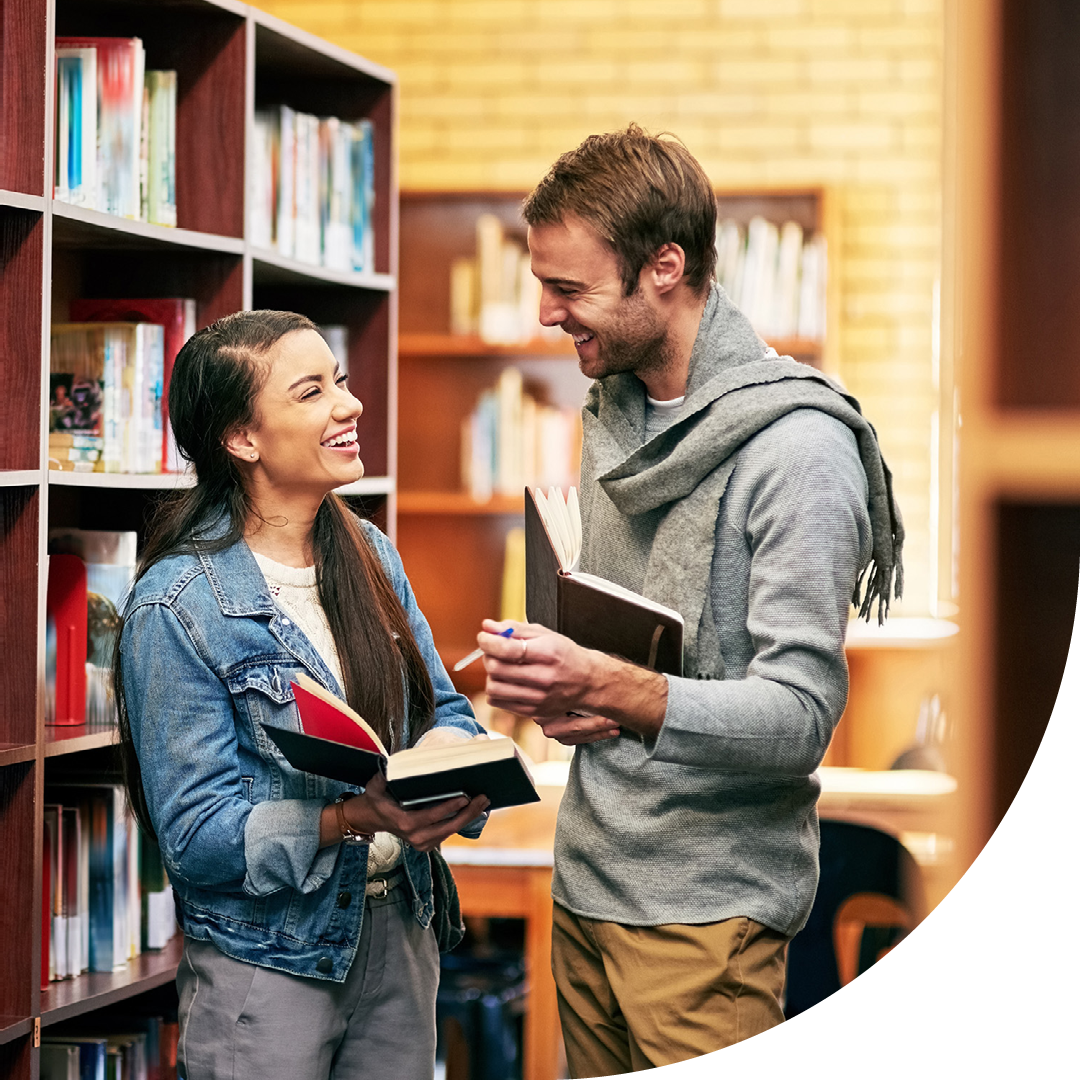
[(637, 997)]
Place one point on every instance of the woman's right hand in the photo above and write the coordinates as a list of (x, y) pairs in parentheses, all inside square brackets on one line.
[(376, 810)]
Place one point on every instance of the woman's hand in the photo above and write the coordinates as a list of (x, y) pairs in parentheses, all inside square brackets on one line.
[(376, 810)]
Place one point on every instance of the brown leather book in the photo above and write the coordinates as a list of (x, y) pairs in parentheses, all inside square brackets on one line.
[(594, 612)]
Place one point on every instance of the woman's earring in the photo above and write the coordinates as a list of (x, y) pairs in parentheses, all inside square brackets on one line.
[(254, 456)]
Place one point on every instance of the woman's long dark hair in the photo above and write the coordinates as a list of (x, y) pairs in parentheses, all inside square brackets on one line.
[(215, 381)]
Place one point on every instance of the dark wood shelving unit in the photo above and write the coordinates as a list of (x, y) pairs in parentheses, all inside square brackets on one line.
[(229, 58), (76, 997)]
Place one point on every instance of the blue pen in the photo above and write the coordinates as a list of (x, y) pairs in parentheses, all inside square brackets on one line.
[(465, 661)]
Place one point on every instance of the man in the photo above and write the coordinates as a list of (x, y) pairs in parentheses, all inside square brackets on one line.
[(747, 492)]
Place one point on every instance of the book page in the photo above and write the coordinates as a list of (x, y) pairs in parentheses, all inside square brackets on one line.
[(315, 721)]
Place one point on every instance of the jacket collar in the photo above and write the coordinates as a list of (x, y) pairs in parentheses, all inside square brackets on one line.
[(233, 573)]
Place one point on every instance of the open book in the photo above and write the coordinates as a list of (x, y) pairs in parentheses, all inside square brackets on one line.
[(592, 611), (335, 741)]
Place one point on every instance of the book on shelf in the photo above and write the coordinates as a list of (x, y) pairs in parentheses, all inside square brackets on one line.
[(109, 895), (775, 275), (312, 190), (592, 611), (135, 1044), (65, 640), (493, 293), (510, 439), (177, 318), (106, 559), (336, 742), (115, 129), (121, 366)]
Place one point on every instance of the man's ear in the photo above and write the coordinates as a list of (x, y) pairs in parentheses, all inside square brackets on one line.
[(239, 444), (666, 267)]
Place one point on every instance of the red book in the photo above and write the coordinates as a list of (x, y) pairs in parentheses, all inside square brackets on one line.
[(66, 605), (178, 318), (326, 716)]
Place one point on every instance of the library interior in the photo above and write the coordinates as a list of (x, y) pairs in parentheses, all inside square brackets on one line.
[(897, 207)]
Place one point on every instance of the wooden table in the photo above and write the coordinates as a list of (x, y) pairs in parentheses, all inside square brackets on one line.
[(507, 872)]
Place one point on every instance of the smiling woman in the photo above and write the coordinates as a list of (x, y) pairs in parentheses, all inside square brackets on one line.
[(305, 905)]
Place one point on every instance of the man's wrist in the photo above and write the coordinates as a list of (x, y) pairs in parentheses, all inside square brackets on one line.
[(634, 697)]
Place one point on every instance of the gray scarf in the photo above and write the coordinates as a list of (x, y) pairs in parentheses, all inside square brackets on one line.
[(649, 509)]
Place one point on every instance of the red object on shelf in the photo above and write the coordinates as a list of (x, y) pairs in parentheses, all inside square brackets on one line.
[(66, 604)]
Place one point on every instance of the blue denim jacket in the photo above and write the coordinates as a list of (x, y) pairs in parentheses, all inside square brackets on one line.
[(207, 656)]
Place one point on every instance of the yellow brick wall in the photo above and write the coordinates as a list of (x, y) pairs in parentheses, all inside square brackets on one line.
[(845, 93)]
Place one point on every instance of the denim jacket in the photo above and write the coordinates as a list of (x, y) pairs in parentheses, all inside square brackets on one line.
[(208, 657)]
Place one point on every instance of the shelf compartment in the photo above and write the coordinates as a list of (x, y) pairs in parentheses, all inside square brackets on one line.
[(298, 69), (458, 502), (62, 739), (103, 268), (94, 990), (22, 250), (206, 45)]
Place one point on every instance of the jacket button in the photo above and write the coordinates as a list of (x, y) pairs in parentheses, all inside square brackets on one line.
[(344, 899), (325, 965)]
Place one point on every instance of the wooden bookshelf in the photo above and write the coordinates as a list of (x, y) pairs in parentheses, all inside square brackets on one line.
[(1013, 286), (229, 58), (453, 544)]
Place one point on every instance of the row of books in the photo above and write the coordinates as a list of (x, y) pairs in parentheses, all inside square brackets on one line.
[(109, 375), (118, 1046), (312, 192), (90, 572), (115, 129), (493, 293), (105, 895), (775, 275), (510, 439)]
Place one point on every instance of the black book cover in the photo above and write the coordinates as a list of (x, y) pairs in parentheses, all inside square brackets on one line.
[(505, 781)]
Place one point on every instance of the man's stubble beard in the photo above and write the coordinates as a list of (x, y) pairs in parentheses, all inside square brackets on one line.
[(639, 345)]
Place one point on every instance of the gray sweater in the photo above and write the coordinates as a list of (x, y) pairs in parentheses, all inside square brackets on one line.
[(717, 818)]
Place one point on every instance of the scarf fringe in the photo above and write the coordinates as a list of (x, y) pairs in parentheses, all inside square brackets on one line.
[(878, 582)]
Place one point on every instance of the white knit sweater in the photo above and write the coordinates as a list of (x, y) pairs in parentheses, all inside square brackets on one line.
[(295, 591)]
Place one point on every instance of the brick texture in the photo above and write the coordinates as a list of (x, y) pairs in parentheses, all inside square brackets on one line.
[(845, 93)]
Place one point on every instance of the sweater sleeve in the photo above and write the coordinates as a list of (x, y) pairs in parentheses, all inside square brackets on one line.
[(792, 538)]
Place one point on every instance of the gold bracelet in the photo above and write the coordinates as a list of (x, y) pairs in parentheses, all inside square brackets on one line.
[(348, 834)]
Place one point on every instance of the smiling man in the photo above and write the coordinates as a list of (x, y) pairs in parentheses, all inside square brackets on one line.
[(748, 492)]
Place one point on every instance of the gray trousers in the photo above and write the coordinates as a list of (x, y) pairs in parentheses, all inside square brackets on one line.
[(239, 1021)]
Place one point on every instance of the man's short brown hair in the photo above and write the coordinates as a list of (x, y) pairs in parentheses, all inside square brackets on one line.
[(639, 192)]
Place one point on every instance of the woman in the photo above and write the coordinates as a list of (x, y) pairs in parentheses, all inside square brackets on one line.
[(307, 949)]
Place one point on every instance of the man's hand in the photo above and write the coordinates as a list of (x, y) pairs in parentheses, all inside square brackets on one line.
[(546, 676)]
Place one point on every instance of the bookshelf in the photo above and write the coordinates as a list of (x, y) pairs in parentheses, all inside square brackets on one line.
[(452, 543), (230, 59), (1013, 224)]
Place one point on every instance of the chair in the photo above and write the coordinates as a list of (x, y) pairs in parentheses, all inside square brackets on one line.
[(869, 895)]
